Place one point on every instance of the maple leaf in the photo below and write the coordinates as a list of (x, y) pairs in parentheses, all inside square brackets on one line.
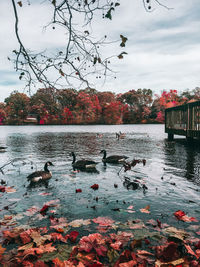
[(25, 237), (93, 241), (94, 186), (27, 246), (73, 235), (78, 190), (1, 250), (57, 236), (38, 239), (10, 189), (78, 223), (103, 221), (44, 209), (2, 189), (146, 209), (181, 215), (32, 210)]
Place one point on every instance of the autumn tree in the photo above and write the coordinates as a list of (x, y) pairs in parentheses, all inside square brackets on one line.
[(138, 105), (44, 105), (3, 114), (17, 107)]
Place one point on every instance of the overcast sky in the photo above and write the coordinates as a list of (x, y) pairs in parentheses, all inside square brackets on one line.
[(163, 46)]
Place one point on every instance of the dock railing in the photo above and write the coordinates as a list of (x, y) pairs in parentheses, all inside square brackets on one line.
[(183, 120)]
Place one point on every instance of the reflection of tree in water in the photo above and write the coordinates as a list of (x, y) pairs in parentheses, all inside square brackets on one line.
[(185, 157)]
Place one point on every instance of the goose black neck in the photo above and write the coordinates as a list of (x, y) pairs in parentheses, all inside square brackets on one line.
[(46, 167), (74, 158), (104, 154)]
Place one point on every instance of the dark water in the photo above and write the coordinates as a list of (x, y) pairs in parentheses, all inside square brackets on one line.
[(171, 174)]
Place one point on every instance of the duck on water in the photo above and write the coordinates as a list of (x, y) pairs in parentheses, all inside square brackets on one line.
[(41, 176), (83, 164), (115, 159)]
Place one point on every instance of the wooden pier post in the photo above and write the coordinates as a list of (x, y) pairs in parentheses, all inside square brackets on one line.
[(170, 137)]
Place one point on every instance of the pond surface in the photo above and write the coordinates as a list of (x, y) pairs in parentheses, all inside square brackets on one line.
[(171, 173)]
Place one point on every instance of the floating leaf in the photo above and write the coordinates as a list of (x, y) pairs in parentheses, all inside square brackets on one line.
[(146, 209), (94, 186)]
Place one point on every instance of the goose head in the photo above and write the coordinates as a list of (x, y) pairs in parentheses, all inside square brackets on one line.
[(47, 164), (104, 153)]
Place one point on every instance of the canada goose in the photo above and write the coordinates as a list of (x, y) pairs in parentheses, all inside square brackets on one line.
[(39, 176), (112, 159), (3, 148), (83, 164)]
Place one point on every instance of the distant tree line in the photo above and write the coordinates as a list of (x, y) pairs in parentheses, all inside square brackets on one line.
[(89, 106)]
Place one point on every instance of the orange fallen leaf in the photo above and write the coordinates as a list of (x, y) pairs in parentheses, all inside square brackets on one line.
[(145, 210)]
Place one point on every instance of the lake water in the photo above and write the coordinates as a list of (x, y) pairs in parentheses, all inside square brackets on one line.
[(171, 173)]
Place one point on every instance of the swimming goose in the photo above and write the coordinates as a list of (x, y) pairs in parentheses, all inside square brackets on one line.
[(39, 176), (83, 164), (112, 159)]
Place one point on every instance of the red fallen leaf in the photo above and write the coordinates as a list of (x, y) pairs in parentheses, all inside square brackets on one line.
[(181, 215), (94, 186), (103, 221), (168, 252), (93, 241), (40, 264), (190, 251), (159, 223), (126, 259), (25, 237), (78, 190), (57, 236), (44, 209), (27, 264), (2, 189), (73, 235)]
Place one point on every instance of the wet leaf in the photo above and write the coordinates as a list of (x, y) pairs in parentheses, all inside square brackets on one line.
[(78, 223), (94, 186), (78, 190), (174, 232), (63, 252), (145, 210), (103, 221), (44, 209), (181, 215), (73, 236)]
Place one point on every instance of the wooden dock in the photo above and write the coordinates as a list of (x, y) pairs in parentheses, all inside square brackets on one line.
[(183, 120)]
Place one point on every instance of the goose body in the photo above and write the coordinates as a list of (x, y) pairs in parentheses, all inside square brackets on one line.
[(116, 159), (83, 164), (39, 176), (3, 148)]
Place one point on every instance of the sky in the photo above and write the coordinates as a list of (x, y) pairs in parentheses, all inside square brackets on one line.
[(163, 45)]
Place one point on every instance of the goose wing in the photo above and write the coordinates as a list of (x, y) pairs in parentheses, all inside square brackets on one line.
[(115, 158), (38, 175)]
